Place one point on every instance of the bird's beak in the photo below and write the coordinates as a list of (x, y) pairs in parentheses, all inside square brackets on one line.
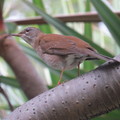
[(16, 34)]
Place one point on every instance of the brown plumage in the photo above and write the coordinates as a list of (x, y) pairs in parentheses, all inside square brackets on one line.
[(60, 51)]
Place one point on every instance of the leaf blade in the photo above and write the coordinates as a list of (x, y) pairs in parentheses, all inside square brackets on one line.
[(110, 19), (9, 81)]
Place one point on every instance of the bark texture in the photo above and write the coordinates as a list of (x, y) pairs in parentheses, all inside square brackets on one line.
[(28, 77), (82, 98)]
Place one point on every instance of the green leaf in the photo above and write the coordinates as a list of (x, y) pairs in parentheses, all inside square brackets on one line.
[(39, 4), (88, 65), (6, 107), (45, 28), (114, 115), (110, 19), (88, 30), (65, 29), (9, 81)]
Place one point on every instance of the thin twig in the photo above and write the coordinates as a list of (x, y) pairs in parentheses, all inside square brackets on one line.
[(7, 98)]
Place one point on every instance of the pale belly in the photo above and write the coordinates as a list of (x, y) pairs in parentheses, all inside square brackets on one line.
[(61, 62)]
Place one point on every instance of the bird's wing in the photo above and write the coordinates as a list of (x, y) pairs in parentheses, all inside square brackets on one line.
[(90, 51), (64, 45), (57, 44)]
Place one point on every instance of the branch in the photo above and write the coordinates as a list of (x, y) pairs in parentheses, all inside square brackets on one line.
[(82, 98), (81, 17), (7, 99), (29, 79)]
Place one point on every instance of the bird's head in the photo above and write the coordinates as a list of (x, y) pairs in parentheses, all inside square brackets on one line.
[(29, 34)]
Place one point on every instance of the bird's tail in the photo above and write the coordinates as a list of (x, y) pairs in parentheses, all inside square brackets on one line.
[(99, 56)]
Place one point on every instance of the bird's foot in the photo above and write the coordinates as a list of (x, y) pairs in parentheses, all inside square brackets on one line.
[(59, 83)]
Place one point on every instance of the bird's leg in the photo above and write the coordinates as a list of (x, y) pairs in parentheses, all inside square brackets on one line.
[(61, 74), (78, 69)]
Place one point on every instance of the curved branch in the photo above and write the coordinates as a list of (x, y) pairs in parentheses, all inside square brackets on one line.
[(85, 97), (29, 79)]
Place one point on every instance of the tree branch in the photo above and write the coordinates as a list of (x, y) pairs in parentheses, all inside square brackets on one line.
[(81, 17), (29, 79), (82, 98)]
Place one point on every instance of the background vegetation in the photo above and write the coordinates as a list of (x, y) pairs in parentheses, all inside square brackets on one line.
[(97, 34)]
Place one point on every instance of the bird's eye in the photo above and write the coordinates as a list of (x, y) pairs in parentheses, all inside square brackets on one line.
[(27, 30)]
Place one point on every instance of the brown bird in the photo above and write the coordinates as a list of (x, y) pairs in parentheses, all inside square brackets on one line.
[(59, 51)]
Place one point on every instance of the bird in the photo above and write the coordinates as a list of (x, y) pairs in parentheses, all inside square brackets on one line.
[(61, 52)]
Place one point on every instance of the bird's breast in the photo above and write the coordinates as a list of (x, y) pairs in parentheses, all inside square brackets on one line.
[(54, 61)]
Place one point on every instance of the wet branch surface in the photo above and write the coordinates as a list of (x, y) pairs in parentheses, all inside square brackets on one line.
[(30, 81), (92, 94)]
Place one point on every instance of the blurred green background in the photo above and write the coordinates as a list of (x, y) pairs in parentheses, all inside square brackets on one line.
[(104, 36)]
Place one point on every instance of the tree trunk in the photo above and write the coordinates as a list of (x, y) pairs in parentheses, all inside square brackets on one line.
[(82, 98)]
